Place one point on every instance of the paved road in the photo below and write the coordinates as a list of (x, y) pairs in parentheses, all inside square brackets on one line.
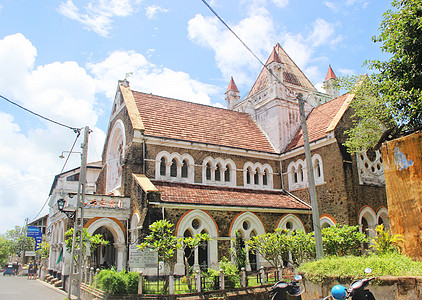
[(20, 288)]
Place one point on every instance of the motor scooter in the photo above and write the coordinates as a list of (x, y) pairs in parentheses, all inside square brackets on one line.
[(283, 290), (356, 291)]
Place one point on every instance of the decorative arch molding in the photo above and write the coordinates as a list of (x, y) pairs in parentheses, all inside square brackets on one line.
[(114, 225), (367, 220), (134, 222), (175, 166), (327, 220), (298, 176), (115, 154), (257, 175), (290, 222), (383, 217), (198, 221), (254, 223), (218, 171)]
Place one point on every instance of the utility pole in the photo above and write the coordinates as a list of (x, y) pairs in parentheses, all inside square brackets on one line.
[(76, 268), (311, 180)]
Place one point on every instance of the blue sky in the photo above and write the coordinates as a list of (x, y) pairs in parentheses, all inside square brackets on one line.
[(62, 59)]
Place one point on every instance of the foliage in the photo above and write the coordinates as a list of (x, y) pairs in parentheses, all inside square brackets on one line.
[(239, 251), (44, 252), (384, 242), (302, 246), (4, 251), (230, 271), (18, 241), (342, 240), (114, 282), (162, 240), (93, 241), (393, 264), (389, 102), (273, 246)]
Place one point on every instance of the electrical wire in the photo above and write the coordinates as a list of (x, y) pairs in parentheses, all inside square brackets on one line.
[(71, 150), (257, 58), (40, 116)]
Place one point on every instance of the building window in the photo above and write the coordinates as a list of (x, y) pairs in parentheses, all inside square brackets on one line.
[(173, 168), (163, 166), (265, 178), (208, 171), (227, 174), (185, 169), (217, 173), (248, 176), (74, 177)]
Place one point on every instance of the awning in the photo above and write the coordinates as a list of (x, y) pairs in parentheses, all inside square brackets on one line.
[(145, 183)]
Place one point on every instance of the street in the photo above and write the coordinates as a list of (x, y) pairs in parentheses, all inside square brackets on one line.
[(20, 288)]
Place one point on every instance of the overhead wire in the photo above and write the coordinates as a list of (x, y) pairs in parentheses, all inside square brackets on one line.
[(40, 116)]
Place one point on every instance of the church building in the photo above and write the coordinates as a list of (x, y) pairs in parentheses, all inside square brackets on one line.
[(218, 171)]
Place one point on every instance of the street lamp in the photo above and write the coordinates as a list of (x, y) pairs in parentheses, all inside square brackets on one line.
[(69, 213)]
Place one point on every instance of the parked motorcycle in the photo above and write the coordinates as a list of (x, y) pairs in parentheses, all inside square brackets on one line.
[(285, 290), (356, 291)]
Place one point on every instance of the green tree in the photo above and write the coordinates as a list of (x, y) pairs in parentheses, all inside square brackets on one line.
[(239, 251), (5, 251), (44, 252), (18, 241), (389, 103), (93, 241), (273, 246)]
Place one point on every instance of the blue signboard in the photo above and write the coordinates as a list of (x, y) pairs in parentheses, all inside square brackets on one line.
[(35, 233)]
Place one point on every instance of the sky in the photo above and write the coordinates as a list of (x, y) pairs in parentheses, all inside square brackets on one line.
[(63, 59)]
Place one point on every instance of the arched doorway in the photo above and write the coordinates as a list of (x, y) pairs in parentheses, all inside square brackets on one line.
[(104, 256)]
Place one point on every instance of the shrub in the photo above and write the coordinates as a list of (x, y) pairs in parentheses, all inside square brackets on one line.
[(342, 240), (384, 242), (118, 282), (393, 264), (231, 273)]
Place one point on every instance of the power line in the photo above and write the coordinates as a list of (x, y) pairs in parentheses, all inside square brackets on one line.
[(257, 58), (40, 116)]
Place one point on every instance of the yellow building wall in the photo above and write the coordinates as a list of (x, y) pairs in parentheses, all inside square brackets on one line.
[(402, 160)]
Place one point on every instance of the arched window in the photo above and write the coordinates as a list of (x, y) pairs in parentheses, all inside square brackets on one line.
[(185, 169), (173, 168), (163, 163), (256, 178), (248, 176), (217, 176), (265, 178), (227, 174), (208, 171)]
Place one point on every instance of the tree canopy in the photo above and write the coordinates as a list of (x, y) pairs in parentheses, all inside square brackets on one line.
[(389, 102)]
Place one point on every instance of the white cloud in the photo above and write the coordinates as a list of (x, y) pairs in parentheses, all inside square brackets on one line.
[(232, 58), (153, 10), (347, 72), (321, 33), (345, 5), (98, 15), (147, 77), (280, 3), (29, 152)]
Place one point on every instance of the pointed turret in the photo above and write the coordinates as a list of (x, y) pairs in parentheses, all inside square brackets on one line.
[(232, 94), (330, 83)]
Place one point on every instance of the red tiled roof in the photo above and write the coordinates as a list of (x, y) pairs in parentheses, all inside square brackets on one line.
[(232, 86), (176, 119), (330, 74), (291, 72), (184, 193), (318, 121)]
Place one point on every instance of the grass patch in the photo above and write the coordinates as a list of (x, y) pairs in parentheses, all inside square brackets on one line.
[(392, 264)]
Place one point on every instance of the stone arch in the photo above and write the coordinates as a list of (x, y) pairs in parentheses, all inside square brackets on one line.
[(248, 224), (134, 222), (118, 236), (290, 222), (115, 154), (382, 217), (318, 168), (198, 221), (327, 220), (367, 220)]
